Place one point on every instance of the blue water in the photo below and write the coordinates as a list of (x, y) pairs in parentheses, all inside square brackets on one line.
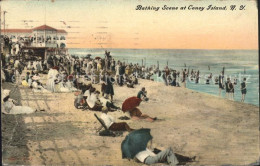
[(237, 63)]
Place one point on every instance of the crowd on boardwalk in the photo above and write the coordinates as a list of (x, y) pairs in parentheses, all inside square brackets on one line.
[(67, 73)]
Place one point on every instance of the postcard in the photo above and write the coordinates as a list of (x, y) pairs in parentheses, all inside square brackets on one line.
[(129, 82)]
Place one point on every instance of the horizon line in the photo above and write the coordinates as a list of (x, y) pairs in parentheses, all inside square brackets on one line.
[(161, 48)]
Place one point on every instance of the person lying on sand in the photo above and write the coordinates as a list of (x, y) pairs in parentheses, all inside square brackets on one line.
[(136, 114), (111, 124), (157, 156), (9, 105)]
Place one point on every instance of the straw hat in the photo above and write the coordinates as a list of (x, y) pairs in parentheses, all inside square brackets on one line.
[(104, 109)]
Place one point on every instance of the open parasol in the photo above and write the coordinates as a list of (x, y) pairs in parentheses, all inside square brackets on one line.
[(135, 142), (131, 103)]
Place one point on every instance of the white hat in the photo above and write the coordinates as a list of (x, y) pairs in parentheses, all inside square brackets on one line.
[(5, 93)]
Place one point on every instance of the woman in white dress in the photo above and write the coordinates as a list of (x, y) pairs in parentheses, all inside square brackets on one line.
[(11, 108), (17, 49), (34, 65), (117, 69), (93, 101), (51, 79)]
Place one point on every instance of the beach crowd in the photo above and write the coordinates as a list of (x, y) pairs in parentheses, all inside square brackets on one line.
[(68, 74)]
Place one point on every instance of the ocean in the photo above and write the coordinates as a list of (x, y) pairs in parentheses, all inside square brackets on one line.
[(238, 64)]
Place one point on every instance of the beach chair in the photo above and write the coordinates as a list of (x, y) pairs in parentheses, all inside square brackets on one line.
[(101, 122), (107, 132)]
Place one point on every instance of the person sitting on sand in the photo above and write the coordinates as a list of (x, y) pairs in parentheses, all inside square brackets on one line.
[(142, 94), (133, 79), (93, 101), (136, 114), (38, 87), (107, 103), (111, 124)]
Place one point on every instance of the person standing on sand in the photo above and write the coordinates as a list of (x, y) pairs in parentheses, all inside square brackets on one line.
[(227, 88), (184, 77), (231, 90), (243, 90), (220, 83), (109, 90), (197, 77), (166, 74)]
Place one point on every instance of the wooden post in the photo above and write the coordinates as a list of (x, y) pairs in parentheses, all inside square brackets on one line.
[(142, 62), (158, 65), (167, 62)]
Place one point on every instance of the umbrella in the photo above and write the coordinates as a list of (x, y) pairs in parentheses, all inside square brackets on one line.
[(97, 57), (135, 142), (131, 103)]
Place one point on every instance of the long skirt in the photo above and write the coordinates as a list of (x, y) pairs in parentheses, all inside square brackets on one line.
[(97, 108), (103, 88), (135, 112), (50, 85), (21, 110), (109, 89), (122, 126)]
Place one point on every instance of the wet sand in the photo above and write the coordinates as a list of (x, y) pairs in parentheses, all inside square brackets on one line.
[(217, 131)]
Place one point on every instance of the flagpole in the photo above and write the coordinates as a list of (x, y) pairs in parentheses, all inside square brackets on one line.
[(4, 22), (0, 30)]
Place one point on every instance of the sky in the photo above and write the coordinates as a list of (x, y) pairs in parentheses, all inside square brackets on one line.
[(117, 23)]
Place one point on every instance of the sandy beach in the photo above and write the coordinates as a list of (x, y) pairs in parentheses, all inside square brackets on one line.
[(215, 130)]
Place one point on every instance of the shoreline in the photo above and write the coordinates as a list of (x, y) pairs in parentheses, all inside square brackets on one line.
[(192, 123)]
